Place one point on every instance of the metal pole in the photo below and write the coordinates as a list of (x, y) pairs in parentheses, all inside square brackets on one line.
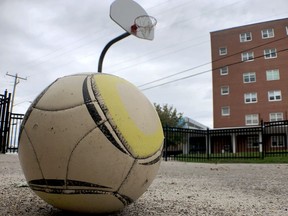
[(100, 62), (263, 143), (208, 144), (4, 101), (166, 143), (14, 92), (5, 122), (16, 81)]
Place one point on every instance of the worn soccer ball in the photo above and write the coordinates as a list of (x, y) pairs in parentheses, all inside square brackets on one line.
[(90, 143)]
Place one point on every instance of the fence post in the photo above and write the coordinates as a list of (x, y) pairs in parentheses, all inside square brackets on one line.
[(262, 140), (165, 142), (208, 148), (6, 123), (4, 120), (2, 100)]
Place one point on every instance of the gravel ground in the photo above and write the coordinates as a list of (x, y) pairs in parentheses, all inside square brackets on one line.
[(179, 189)]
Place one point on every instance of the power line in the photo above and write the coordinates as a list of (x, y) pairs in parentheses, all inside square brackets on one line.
[(203, 72), (160, 56), (193, 68), (37, 61), (175, 80), (158, 50), (157, 57), (178, 22), (172, 75), (64, 52)]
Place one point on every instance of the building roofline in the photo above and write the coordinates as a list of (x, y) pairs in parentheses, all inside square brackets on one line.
[(189, 120), (270, 21)]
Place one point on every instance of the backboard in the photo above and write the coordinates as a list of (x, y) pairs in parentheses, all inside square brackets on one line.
[(125, 12)]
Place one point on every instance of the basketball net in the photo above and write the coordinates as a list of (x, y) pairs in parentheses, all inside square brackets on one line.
[(143, 25)]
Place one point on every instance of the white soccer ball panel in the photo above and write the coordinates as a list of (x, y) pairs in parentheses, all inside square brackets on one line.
[(88, 203), (96, 160), (139, 179), (64, 93), (54, 136), (28, 159)]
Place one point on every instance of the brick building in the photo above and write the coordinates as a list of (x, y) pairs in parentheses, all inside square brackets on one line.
[(250, 74)]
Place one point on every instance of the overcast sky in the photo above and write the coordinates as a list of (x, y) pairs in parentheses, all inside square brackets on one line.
[(47, 39)]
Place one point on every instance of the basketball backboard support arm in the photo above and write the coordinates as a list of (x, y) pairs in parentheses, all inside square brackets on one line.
[(104, 51)]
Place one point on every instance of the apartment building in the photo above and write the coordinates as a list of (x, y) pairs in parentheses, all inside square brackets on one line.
[(250, 74)]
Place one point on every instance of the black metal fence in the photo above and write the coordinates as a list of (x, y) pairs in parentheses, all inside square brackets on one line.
[(269, 139), (9, 125), (15, 124), (4, 120)]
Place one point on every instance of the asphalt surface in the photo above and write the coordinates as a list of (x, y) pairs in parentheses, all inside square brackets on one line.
[(179, 189)]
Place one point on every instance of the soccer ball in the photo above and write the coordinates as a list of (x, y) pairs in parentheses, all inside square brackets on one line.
[(90, 143)]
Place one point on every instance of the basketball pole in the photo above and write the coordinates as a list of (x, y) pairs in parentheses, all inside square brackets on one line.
[(120, 37)]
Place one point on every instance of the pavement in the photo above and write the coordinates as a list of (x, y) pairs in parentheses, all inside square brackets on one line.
[(179, 189)]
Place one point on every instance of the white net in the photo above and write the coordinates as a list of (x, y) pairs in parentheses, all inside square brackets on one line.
[(145, 26)]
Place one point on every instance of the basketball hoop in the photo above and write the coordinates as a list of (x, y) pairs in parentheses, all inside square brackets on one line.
[(134, 29), (135, 21), (143, 26)]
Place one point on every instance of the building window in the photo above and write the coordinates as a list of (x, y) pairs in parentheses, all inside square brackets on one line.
[(253, 141), (277, 141), (274, 95), (224, 90), (222, 51), (276, 116), (270, 53), (247, 56), (224, 71), (272, 75), (250, 97), (225, 111), (249, 77), (245, 37), (267, 33), (252, 119), (287, 30)]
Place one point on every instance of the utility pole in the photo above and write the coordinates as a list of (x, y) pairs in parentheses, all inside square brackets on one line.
[(16, 81)]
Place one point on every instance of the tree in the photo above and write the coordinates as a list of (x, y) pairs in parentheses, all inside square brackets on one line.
[(169, 116)]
